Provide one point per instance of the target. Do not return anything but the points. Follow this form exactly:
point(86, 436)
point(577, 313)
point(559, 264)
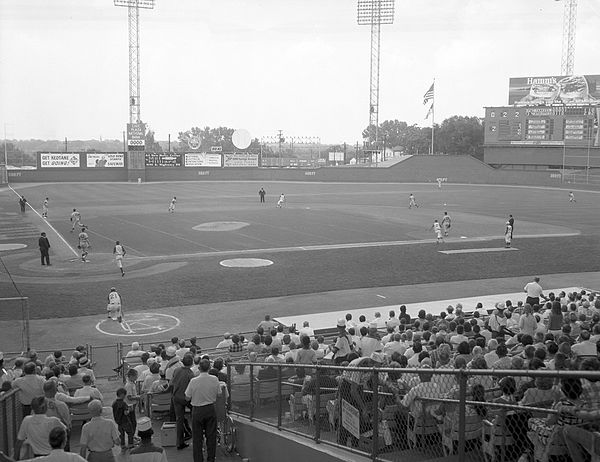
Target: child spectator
point(123, 418)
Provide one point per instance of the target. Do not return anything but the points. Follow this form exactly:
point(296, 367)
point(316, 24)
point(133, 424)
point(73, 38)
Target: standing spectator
point(173, 362)
point(30, 386)
point(267, 324)
point(534, 291)
point(98, 436)
point(121, 414)
point(203, 391)
point(180, 382)
point(44, 245)
point(528, 323)
point(36, 428)
point(342, 347)
point(147, 451)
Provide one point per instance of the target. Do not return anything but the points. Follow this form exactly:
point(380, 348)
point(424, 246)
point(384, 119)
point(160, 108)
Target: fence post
point(462, 397)
point(120, 361)
point(318, 405)
point(229, 386)
point(251, 392)
point(90, 352)
point(279, 397)
point(375, 414)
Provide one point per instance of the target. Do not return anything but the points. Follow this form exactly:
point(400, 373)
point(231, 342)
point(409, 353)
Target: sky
point(300, 66)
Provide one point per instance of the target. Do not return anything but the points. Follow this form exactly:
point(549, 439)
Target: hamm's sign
point(571, 89)
point(66, 160)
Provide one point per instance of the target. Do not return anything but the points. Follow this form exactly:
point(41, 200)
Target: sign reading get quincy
point(59, 160)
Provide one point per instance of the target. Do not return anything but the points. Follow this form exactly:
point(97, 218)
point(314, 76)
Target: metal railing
point(371, 420)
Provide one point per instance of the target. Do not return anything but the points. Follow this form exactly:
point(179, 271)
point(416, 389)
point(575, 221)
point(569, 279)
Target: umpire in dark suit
point(44, 244)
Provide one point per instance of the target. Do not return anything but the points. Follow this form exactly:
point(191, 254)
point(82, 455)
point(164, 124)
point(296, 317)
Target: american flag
point(429, 112)
point(428, 94)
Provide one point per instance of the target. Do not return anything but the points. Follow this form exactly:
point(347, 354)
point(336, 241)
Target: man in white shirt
point(585, 347)
point(393, 321)
point(394, 345)
point(534, 292)
point(226, 342)
point(307, 330)
point(87, 390)
point(202, 391)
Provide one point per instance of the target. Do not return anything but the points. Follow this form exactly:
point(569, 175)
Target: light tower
point(375, 13)
point(568, 41)
point(133, 7)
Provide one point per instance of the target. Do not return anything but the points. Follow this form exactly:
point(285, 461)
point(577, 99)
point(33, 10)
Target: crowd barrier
point(361, 411)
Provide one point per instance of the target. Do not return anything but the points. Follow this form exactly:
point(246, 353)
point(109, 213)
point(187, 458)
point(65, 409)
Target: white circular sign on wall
point(241, 138)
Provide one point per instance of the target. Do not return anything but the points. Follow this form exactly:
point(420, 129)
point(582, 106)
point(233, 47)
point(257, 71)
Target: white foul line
point(47, 224)
point(488, 249)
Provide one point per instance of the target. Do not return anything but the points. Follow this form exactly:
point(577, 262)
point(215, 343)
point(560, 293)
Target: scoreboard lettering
point(544, 125)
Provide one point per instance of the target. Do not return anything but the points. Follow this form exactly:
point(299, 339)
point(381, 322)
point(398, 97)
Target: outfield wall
point(417, 169)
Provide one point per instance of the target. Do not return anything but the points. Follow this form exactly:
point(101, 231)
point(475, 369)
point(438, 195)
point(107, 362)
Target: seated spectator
point(256, 345)
point(135, 351)
point(152, 377)
point(146, 451)
point(319, 353)
point(181, 349)
point(30, 386)
point(393, 322)
point(267, 324)
point(307, 330)
point(543, 391)
point(160, 385)
point(425, 389)
point(277, 357)
point(217, 370)
point(57, 408)
point(226, 342)
point(306, 355)
point(36, 428)
point(88, 390)
point(57, 358)
point(173, 362)
point(236, 345)
point(395, 345)
point(241, 375)
point(571, 389)
point(586, 347)
point(455, 340)
point(267, 372)
point(292, 353)
point(73, 381)
point(491, 357)
point(504, 361)
point(85, 368)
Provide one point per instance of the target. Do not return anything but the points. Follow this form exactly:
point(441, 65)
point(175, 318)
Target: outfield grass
point(170, 264)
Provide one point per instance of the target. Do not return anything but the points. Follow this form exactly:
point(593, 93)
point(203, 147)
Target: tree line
point(455, 135)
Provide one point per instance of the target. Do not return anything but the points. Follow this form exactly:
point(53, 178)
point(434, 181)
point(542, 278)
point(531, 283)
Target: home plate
point(245, 263)
point(488, 249)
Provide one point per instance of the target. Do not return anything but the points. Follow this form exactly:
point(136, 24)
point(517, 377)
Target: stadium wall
point(296, 448)
point(417, 169)
point(542, 156)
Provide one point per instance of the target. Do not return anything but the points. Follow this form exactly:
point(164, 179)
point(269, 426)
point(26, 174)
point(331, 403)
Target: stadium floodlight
point(374, 13)
point(134, 54)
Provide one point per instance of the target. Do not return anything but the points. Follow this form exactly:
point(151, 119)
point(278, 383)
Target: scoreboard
point(551, 125)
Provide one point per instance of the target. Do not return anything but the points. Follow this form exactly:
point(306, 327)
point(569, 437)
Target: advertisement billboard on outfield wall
point(240, 160)
point(202, 159)
point(159, 159)
point(105, 159)
point(59, 160)
point(554, 89)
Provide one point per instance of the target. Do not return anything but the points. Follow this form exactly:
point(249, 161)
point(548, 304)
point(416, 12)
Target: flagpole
point(432, 117)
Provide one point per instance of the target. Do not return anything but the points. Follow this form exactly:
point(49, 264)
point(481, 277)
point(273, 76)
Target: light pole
point(374, 13)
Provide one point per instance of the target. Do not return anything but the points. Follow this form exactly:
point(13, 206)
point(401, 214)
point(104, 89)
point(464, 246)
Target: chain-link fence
point(395, 413)
point(11, 415)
